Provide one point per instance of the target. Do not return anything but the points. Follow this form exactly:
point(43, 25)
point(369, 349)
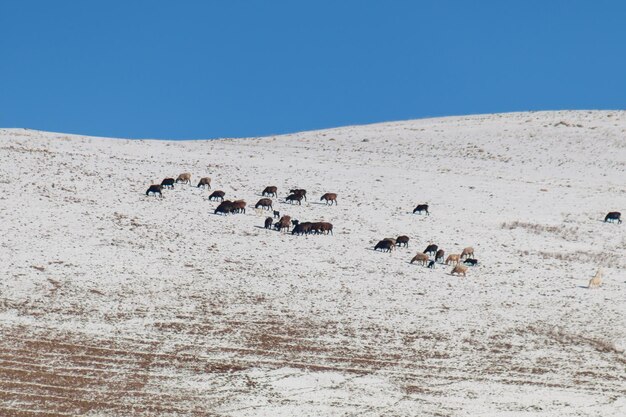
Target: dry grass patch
point(562, 231)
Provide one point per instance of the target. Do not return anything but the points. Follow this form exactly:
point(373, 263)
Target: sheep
point(295, 222)
point(431, 249)
point(392, 240)
point(185, 178)
point(453, 259)
point(155, 189)
point(471, 262)
point(265, 203)
point(276, 214)
point(239, 206)
point(217, 195)
point(325, 228)
point(420, 258)
point(402, 240)
point(299, 191)
point(303, 228)
point(168, 183)
point(295, 197)
point(385, 245)
point(467, 252)
point(225, 207)
point(440, 255)
point(268, 222)
point(270, 191)
point(596, 281)
point(420, 208)
point(283, 223)
point(459, 270)
point(332, 197)
point(204, 181)
point(613, 215)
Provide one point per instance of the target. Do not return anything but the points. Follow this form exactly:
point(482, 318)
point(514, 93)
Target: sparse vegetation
point(562, 231)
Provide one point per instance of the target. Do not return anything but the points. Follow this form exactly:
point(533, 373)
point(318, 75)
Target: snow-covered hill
point(114, 303)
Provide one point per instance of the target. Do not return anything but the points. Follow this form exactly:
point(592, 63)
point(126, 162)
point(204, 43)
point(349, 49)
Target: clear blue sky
point(229, 68)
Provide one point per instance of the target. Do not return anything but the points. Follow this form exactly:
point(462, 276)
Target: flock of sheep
point(239, 206)
point(460, 261)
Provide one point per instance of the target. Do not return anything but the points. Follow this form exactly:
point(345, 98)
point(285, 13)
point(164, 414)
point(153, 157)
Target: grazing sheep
point(225, 207)
point(596, 281)
point(613, 216)
point(303, 228)
point(155, 189)
point(268, 222)
point(471, 262)
point(420, 208)
point(467, 252)
point(325, 228)
point(440, 255)
point(168, 183)
point(431, 249)
point(392, 240)
point(295, 197)
point(403, 240)
point(265, 203)
point(217, 195)
point(239, 206)
point(283, 223)
point(459, 270)
point(453, 259)
point(421, 258)
point(332, 197)
point(184, 178)
point(204, 181)
point(276, 214)
point(270, 191)
point(299, 191)
point(385, 245)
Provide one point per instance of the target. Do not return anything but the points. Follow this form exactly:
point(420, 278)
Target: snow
point(113, 301)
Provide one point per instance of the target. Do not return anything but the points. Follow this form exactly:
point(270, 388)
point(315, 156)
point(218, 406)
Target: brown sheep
point(268, 222)
point(283, 223)
point(596, 281)
point(420, 258)
point(239, 206)
point(217, 195)
point(324, 228)
point(266, 203)
point(225, 207)
point(299, 191)
point(303, 228)
point(467, 252)
point(459, 270)
point(155, 189)
point(332, 197)
point(431, 249)
point(295, 197)
point(184, 178)
point(385, 245)
point(204, 181)
point(270, 191)
point(453, 259)
point(402, 240)
point(440, 255)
